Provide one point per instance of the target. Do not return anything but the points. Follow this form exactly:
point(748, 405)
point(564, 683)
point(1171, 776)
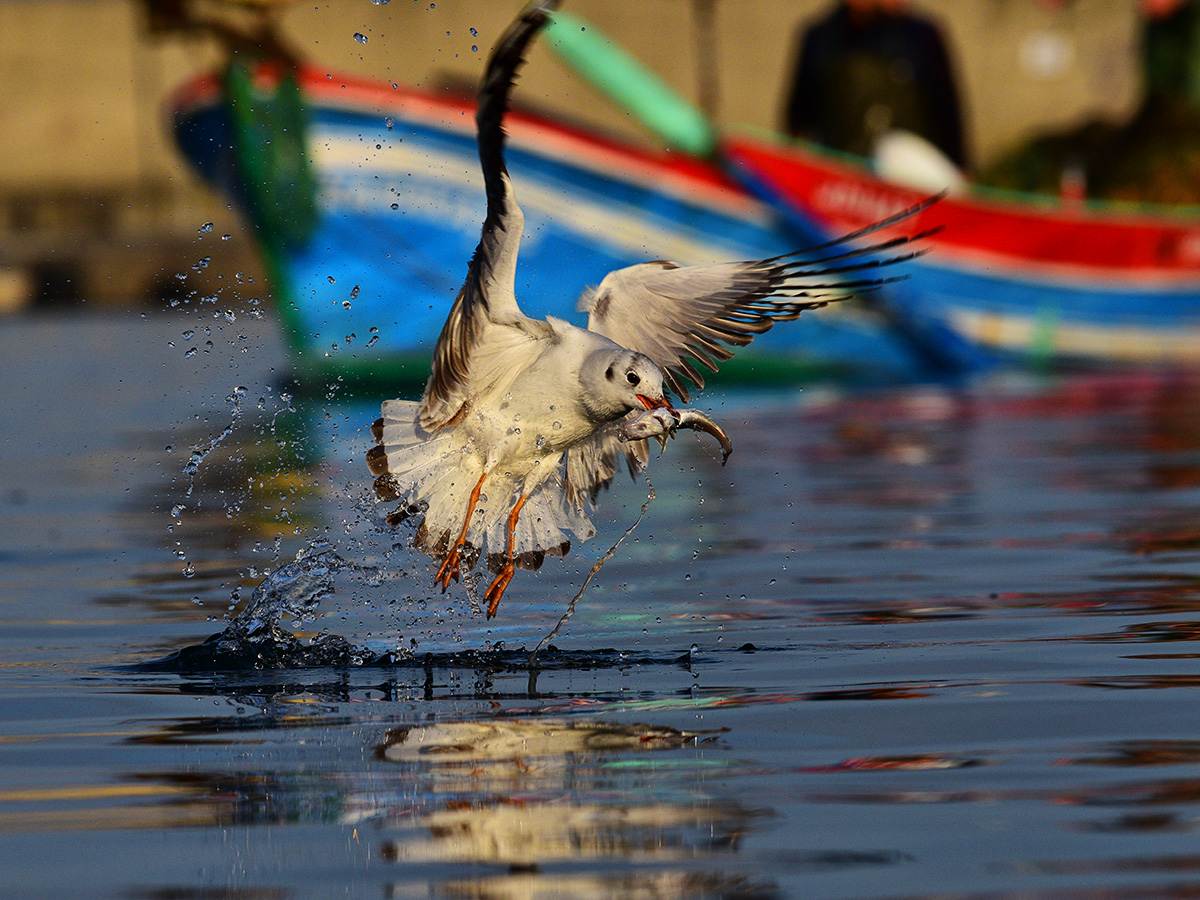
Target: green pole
point(646, 96)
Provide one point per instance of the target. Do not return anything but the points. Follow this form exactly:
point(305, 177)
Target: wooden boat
point(1035, 278)
point(368, 220)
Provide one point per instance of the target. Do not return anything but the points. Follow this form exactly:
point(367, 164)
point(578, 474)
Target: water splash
point(293, 591)
point(201, 452)
point(533, 656)
point(256, 638)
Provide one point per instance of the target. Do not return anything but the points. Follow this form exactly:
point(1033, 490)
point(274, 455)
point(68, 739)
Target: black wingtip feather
point(495, 91)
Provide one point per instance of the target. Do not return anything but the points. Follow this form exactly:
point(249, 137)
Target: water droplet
point(474, 48)
point(381, 2)
point(332, 280)
point(395, 206)
point(192, 352)
point(354, 293)
point(177, 510)
point(371, 342)
point(205, 228)
point(557, 426)
point(360, 37)
point(189, 571)
point(345, 304)
point(389, 122)
point(474, 33)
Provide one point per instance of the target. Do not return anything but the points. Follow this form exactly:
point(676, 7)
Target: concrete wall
point(85, 86)
point(1023, 65)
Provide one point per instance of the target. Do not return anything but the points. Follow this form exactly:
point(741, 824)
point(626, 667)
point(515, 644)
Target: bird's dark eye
point(632, 378)
point(608, 373)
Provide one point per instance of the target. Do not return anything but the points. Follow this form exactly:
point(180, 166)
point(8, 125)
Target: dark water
point(912, 643)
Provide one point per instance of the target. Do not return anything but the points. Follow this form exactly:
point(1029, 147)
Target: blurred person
point(870, 67)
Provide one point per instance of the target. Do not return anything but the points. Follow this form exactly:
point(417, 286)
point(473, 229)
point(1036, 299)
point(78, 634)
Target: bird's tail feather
point(544, 528)
point(432, 476)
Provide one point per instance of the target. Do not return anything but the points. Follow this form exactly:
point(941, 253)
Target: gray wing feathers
point(680, 317)
point(592, 464)
point(688, 317)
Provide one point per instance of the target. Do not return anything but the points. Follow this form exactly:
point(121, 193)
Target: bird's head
point(615, 382)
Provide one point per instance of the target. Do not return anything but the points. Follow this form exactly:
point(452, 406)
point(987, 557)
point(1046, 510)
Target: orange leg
point(449, 568)
point(500, 584)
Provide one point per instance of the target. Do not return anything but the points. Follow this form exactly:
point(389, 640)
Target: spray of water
point(201, 451)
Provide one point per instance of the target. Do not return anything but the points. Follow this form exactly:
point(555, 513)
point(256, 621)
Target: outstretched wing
point(684, 316)
point(486, 333)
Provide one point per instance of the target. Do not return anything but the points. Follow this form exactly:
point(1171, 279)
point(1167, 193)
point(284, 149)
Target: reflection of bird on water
point(529, 792)
point(517, 431)
point(471, 744)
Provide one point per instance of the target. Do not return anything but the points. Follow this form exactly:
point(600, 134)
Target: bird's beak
point(661, 403)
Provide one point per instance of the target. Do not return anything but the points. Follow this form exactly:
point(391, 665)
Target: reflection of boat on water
point(399, 202)
point(1011, 273)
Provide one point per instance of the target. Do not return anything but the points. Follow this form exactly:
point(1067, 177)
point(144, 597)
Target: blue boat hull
point(400, 203)
point(1019, 279)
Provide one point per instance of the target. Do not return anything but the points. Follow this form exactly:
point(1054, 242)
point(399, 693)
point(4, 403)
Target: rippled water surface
point(911, 643)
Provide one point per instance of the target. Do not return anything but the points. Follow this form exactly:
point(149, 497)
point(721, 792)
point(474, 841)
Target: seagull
point(518, 429)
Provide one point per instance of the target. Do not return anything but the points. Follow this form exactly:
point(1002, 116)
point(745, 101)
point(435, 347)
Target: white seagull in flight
point(517, 431)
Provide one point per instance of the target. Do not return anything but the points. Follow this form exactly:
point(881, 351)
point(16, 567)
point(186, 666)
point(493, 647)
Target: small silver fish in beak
point(661, 423)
